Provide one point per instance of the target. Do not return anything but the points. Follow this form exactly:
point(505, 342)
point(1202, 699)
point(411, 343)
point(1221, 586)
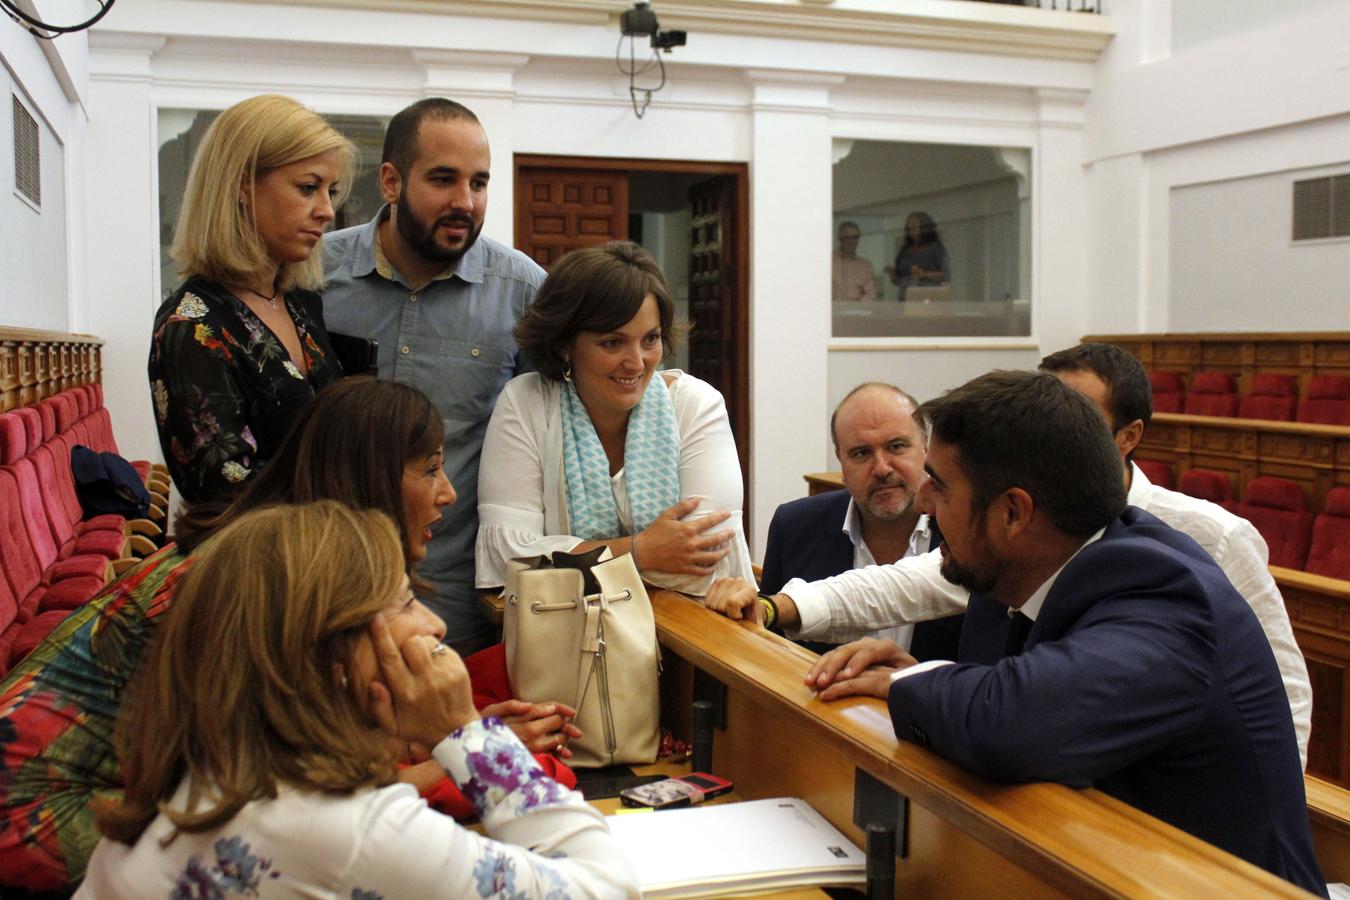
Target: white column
point(484, 82)
point(1062, 305)
point(121, 229)
point(789, 287)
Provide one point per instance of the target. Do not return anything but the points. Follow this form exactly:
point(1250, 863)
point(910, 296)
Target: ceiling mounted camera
point(640, 21)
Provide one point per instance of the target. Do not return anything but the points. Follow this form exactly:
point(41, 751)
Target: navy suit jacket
point(807, 540)
point(1147, 676)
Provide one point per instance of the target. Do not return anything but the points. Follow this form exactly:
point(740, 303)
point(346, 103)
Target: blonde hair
point(238, 691)
point(216, 236)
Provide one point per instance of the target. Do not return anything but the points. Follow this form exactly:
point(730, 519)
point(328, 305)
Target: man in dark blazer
point(880, 448)
point(1132, 664)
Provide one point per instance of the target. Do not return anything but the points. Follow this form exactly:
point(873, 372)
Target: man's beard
point(421, 236)
point(978, 577)
point(885, 513)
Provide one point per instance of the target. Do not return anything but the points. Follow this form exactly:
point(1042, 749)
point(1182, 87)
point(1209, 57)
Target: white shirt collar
point(920, 539)
point(1032, 608)
point(1139, 487)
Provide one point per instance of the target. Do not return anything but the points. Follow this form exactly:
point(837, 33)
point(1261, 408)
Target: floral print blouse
point(546, 842)
point(224, 388)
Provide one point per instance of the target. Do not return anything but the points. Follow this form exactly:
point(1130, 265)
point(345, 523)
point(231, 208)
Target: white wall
point(1190, 145)
point(1230, 244)
point(39, 252)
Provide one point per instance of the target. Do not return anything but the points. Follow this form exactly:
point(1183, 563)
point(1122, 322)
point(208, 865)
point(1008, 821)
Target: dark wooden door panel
point(558, 210)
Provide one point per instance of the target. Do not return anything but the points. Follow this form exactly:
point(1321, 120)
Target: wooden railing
point(1315, 456)
point(37, 364)
point(1301, 354)
point(965, 835)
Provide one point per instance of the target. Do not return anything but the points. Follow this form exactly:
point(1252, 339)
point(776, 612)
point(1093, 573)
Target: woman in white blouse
point(256, 740)
point(597, 448)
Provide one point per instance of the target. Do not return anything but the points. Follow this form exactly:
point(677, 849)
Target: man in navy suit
point(880, 448)
point(1132, 664)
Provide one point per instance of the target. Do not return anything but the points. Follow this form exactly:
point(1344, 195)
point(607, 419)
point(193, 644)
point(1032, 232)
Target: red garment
point(491, 684)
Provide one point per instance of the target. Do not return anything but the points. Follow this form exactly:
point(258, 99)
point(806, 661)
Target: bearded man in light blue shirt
point(441, 301)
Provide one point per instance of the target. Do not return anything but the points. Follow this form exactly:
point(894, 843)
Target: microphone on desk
point(880, 862)
point(703, 736)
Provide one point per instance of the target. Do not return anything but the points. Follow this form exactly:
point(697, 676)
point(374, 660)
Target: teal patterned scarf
point(651, 461)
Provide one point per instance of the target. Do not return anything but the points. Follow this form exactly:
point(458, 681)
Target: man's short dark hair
point(1030, 430)
point(593, 289)
point(834, 416)
point(1129, 395)
point(400, 138)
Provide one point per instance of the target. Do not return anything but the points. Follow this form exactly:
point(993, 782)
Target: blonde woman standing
point(241, 345)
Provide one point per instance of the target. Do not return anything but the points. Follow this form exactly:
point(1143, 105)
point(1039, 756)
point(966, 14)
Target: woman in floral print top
point(276, 779)
point(241, 346)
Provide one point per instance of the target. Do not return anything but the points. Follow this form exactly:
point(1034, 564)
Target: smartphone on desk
point(672, 793)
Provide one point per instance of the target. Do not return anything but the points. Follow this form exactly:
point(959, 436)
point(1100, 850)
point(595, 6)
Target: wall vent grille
point(1322, 208)
point(27, 154)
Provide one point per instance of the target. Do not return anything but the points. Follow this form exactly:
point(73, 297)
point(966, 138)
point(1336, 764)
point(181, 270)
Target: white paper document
point(719, 851)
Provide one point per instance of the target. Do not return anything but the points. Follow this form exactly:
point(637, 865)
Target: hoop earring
point(567, 375)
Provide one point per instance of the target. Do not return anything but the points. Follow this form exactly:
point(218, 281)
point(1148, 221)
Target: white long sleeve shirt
point(386, 842)
point(848, 606)
point(522, 491)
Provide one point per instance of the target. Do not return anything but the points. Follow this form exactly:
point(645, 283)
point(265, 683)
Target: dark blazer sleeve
point(1128, 674)
point(806, 540)
point(771, 579)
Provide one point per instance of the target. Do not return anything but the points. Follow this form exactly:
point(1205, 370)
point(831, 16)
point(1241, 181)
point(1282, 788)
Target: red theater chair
point(1216, 487)
point(1168, 392)
point(1277, 508)
point(1160, 473)
point(1212, 394)
point(1271, 397)
point(1327, 401)
point(1330, 551)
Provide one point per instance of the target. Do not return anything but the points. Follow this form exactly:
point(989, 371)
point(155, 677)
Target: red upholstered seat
point(1160, 473)
point(101, 535)
point(30, 634)
point(1327, 401)
point(1330, 551)
point(32, 424)
point(1216, 487)
point(1277, 508)
point(1271, 397)
point(1212, 394)
point(1168, 391)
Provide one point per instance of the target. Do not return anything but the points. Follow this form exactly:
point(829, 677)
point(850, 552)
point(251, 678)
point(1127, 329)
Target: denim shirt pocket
point(472, 377)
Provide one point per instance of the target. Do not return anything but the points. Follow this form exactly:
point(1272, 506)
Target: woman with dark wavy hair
point(922, 260)
point(598, 447)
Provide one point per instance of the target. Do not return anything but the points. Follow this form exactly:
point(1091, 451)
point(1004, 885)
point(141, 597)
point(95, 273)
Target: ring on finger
point(439, 649)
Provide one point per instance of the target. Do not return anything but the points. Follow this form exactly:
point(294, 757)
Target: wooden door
point(559, 209)
point(716, 309)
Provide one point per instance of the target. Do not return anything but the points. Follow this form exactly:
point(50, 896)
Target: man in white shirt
point(853, 277)
point(881, 449)
point(848, 606)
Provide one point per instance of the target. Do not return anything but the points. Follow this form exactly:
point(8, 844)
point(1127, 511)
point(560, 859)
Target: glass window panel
point(931, 240)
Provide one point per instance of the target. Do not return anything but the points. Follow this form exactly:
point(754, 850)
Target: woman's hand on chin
point(684, 546)
point(423, 691)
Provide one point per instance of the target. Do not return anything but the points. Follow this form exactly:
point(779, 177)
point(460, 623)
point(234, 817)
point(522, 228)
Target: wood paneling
point(37, 364)
point(1301, 354)
point(1315, 456)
